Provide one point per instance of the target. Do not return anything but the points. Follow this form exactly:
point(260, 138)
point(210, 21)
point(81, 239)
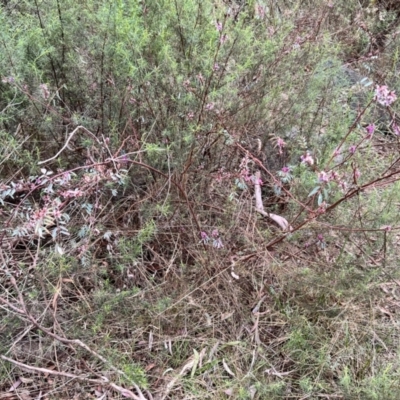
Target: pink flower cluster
point(307, 159)
point(280, 144)
point(370, 130)
point(383, 96)
point(326, 177)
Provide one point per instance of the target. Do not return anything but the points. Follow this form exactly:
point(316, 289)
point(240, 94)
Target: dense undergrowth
point(135, 260)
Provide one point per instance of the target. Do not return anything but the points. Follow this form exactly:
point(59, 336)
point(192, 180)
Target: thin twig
point(68, 140)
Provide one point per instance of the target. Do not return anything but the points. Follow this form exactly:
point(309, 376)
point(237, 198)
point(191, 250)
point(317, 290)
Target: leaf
point(59, 250)
point(25, 380)
point(366, 82)
point(15, 385)
point(226, 368)
point(315, 190)
point(227, 315)
point(320, 199)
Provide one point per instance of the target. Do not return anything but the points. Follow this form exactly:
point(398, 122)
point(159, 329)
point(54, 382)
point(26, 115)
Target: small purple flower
point(370, 130)
point(210, 106)
point(352, 149)
point(320, 241)
point(216, 67)
point(215, 233)
point(307, 159)
point(204, 237)
point(285, 174)
point(383, 96)
point(323, 177)
point(280, 144)
point(218, 25)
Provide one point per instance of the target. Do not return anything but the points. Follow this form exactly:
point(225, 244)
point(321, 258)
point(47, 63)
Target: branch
point(282, 222)
point(68, 140)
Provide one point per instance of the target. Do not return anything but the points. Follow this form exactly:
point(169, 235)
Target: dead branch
point(282, 222)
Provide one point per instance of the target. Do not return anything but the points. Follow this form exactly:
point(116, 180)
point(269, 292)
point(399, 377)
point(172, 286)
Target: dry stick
point(23, 311)
point(103, 381)
point(68, 140)
point(282, 222)
point(260, 164)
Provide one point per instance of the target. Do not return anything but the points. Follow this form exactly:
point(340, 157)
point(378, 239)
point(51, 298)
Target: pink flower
point(210, 106)
point(280, 144)
point(223, 39)
point(260, 11)
point(307, 159)
point(383, 96)
point(204, 237)
point(396, 130)
point(215, 233)
point(370, 130)
point(218, 25)
point(323, 177)
point(216, 67)
point(352, 149)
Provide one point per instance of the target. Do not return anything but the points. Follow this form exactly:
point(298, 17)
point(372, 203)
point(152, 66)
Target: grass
point(135, 264)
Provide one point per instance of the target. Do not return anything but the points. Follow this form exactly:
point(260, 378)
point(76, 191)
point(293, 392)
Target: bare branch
point(282, 222)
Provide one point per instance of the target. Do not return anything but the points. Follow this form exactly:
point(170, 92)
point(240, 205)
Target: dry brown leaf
point(225, 316)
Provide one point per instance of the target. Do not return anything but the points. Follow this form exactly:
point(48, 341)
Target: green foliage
point(138, 235)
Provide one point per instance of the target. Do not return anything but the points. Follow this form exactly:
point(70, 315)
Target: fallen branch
point(282, 222)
